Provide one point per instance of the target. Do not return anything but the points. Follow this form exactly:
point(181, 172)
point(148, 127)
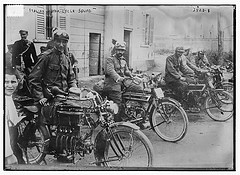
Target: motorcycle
point(166, 116)
point(218, 80)
point(202, 95)
point(81, 123)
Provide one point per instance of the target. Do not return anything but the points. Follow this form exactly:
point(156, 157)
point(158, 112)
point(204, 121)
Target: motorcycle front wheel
point(170, 121)
point(34, 143)
point(219, 106)
point(127, 147)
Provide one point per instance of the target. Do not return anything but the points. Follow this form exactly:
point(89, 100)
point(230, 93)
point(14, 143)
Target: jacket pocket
point(54, 67)
point(52, 73)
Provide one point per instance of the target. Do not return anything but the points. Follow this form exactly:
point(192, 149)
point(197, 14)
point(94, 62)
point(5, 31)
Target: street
point(207, 145)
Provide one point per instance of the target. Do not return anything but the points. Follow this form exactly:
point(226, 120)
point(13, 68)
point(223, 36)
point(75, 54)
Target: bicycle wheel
point(128, 147)
point(170, 121)
point(219, 106)
point(34, 144)
point(228, 86)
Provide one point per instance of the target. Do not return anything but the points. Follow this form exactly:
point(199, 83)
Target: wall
point(114, 28)
point(80, 27)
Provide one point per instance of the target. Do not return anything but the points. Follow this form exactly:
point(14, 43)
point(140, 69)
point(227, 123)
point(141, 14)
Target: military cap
point(23, 31)
point(179, 49)
point(120, 46)
point(61, 34)
point(201, 52)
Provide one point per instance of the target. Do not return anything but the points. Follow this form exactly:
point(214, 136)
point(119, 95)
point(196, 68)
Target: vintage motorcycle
point(81, 123)
point(166, 116)
point(218, 80)
point(203, 96)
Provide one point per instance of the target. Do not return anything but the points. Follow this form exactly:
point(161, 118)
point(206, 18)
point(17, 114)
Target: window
point(148, 27)
point(128, 17)
point(45, 19)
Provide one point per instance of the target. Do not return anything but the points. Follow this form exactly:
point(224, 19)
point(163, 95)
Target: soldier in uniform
point(115, 70)
point(24, 55)
point(53, 69)
point(201, 60)
point(176, 71)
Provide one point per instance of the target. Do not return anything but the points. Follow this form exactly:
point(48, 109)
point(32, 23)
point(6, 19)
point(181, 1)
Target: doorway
point(94, 54)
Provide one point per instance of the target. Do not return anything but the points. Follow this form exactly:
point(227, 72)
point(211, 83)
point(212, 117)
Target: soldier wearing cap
point(176, 70)
point(53, 69)
point(50, 44)
point(24, 55)
point(201, 60)
point(115, 69)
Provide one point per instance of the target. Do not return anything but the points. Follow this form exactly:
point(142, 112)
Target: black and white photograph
point(119, 87)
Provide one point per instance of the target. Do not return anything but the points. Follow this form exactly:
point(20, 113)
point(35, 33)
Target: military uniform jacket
point(175, 68)
point(201, 63)
point(29, 57)
point(114, 69)
point(52, 69)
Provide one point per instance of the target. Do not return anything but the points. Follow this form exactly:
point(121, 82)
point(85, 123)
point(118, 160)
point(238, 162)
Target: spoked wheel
point(33, 143)
point(228, 86)
point(128, 147)
point(219, 106)
point(170, 121)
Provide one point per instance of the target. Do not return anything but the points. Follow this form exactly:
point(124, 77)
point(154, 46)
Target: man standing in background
point(24, 55)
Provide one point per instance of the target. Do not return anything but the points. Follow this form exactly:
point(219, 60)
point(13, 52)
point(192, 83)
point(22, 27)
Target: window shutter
point(62, 20)
point(40, 22)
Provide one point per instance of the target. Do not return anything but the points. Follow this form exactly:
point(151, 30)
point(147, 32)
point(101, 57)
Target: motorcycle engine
point(135, 110)
point(73, 131)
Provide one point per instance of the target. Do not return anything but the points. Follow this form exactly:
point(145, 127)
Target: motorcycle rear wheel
point(36, 146)
point(128, 147)
point(219, 107)
point(170, 121)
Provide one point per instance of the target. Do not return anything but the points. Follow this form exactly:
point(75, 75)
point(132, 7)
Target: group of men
point(181, 68)
point(53, 67)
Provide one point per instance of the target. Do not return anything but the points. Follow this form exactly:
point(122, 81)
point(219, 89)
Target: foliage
point(163, 51)
point(214, 58)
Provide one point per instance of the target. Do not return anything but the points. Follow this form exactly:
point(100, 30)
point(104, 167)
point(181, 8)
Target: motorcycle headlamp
point(112, 107)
